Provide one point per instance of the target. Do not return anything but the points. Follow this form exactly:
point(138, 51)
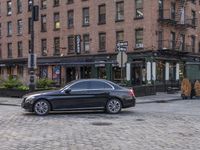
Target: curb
point(158, 101)
point(7, 104)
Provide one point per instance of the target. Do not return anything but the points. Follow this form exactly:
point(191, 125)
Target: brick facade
point(149, 23)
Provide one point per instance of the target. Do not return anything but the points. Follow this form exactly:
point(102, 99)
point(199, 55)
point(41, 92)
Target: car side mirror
point(68, 91)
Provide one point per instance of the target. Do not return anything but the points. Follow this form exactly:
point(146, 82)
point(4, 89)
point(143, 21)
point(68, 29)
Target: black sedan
point(85, 94)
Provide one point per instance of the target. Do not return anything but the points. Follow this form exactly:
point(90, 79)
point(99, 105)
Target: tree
point(197, 88)
point(186, 87)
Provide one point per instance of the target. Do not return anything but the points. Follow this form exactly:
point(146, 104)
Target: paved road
point(153, 126)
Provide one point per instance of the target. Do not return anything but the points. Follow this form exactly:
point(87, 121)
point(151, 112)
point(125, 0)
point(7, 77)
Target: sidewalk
point(159, 97)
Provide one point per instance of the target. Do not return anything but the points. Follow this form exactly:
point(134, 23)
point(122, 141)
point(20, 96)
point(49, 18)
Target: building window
point(29, 46)
point(193, 18)
point(119, 36)
point(56, 3)
point(193, 41)
point(9, 8)
point(0, 30)
point(102, 14)
point(160, 40)
point(70, 1)
point(43, 23)
point(139, 38)
point(19, 6)
point(86, 42)
point(9, 26)
point(0, 52)
point(182, 42)
point(172, 40)
point(71, 44)
point(44, 47)
point(29, 25)
point(19, 26)
point(43, 4)
point(20, 49)
point(56, 21)
point(173, 10)
point(57, 46)
point(20, 71)
point(119, 11)
point(9, 50)
point(86, 17)
point(102, 41)
point(139, 9)
point(70, 18)
point(30, 5)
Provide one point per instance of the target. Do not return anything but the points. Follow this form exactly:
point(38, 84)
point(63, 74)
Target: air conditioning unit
point(139, 45)
point(86, 20)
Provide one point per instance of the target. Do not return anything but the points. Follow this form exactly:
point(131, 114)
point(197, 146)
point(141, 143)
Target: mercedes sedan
point(84, 94)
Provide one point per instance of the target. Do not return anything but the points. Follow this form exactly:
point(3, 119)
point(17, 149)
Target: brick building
point(163, 39)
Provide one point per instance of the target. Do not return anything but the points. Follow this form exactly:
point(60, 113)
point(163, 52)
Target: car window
point(79, 86)
point(99, 85)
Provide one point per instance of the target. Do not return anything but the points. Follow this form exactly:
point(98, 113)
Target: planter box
point(144, 90)
point(12, 93)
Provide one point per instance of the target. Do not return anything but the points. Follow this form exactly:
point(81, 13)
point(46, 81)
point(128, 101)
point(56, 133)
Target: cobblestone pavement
point(152, 126)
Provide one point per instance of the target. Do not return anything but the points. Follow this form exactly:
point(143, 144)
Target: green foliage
point(23, 88)
point(44, 83)
point(12, 83)
point(1, 82)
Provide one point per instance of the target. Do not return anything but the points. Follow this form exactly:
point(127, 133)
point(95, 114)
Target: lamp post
point(32, 65)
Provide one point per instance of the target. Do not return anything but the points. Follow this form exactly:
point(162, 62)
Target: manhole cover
point(139, 119)
point(101, 123)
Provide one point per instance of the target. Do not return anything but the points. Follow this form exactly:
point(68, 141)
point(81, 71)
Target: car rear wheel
point(42, 107)
point(113, 106)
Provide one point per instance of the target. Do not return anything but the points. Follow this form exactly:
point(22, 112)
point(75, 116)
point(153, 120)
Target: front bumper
point(27, 106)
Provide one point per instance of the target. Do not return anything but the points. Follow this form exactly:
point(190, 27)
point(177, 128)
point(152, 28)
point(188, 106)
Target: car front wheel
point(113, 106)
point(41, 107)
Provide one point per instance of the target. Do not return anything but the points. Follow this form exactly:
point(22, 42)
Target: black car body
point(85, 94)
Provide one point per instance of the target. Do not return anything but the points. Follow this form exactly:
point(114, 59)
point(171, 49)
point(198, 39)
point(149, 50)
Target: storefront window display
point(160, 71)
point(43, 73)
point(102, 72)
point(56, 75)
point(86, 72)
point(117, 74)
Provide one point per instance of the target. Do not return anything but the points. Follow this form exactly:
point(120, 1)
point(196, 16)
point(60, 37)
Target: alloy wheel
point(41, 107)
point(113, 106)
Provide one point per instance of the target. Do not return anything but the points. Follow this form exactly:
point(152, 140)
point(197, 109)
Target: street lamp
point(32, 65)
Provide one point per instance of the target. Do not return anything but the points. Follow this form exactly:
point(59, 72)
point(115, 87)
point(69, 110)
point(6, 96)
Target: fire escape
point(177, 18)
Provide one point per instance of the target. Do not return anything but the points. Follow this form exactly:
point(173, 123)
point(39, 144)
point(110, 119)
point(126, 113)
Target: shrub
point(44, 83)
point(23, 88)
point(12, 83)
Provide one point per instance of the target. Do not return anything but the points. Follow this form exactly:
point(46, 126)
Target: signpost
point(32, 64)
point(122, 47)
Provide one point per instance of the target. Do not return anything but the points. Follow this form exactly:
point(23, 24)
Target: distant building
point(162, 35)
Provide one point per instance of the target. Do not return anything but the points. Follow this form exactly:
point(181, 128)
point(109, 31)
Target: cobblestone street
point(153, 126)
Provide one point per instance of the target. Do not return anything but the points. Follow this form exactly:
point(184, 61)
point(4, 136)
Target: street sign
point(122, 46)
point(32, 61)
point(122, 58)
point(78, 44)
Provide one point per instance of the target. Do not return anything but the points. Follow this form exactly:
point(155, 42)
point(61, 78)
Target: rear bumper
point(129, 103)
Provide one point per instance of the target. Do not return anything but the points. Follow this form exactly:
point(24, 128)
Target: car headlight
point(29, 99)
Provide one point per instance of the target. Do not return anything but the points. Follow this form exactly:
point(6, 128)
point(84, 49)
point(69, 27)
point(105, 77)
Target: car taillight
point(131, 92)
